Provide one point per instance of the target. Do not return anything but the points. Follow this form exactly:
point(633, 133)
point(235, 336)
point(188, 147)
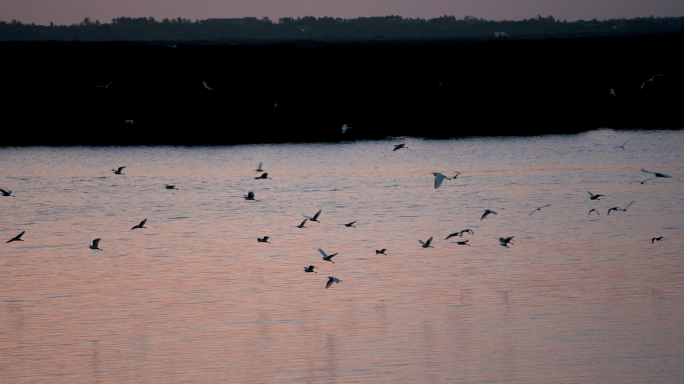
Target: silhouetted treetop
point(328, 28)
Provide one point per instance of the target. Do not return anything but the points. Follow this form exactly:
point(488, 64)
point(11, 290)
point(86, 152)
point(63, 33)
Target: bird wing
point(96, 242)
point(484, 215)
point(250, 194)
point(317, 214)
point(143, 222)
point(260, 164)
point(590, 194)
point(302, 224)
point(329, 283)
point(645, 171)
point(427, 243)
point(628, 205)
point(206, 86)
point(451, 235)
point(20, 235)
point(439, 178)
point(421, 242)
point(653, 240)
point(322, 252)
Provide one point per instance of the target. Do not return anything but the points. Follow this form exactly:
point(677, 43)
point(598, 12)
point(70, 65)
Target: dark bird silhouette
point(302, 224)
point(399, 146)
point(17, 237)
point(263, 240)
point(593, 210)
point(96, 244)
point(539, 209)
point(169, 186)
point(310, 268)
point(331, 280)
point(118, 171)
point(464, 242)
point(326, 257)
point(6, 193)
point(250, 196)
point(427, 243)
point(456, 175)
point(260, 164)
point(622, 146)
point(620, 209)
point(594, 197)
point(315, 218)
point(653, 240)
point(460, 233)
point(506, 240)
point(657, 174)
point(350, 225)
point(141, 225)
point(486, 213)
point(381, 252)
point(263, 176)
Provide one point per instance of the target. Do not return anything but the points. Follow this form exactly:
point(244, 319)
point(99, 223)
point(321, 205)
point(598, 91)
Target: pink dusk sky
point(74, 11)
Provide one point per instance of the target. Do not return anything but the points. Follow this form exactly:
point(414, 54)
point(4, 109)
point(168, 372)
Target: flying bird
point(506, 240)
point(456, 175)
point(141, 225)
point(263, 240)
point(310, 268)
point(427, 243)
point(302, 224)
point(381, 252)
point(173, 46)
point(315, 218)
point(657, 174)
point(350, 225)
point(128, 122)
point(612, 92)
point(331, 280)
point(326, 257)
point(345, 128)
point(620, 209)
point(6, 193)
point(539, 209)
point(118, 171)
point(169, 186)
point(593, 210)
point(206, 86)
point(651, 80)
point(259, 168)
point(439, 178)
point(105, 86)
point(399, 146)
point(250, 196)
point(95, 244)
point(622, 146)
point(460, 233)
point(263, 176)
point(594, 197)
point(653, 240)
point(464, 242)
point(486, 213)
point(17, 237)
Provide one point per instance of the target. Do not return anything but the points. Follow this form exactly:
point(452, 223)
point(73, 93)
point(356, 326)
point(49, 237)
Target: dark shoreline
point(381, 88)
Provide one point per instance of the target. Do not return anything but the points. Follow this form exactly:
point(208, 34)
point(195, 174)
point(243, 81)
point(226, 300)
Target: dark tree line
point(328, 28)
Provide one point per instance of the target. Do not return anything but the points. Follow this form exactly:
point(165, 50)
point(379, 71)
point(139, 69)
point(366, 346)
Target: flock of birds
point(439, 179)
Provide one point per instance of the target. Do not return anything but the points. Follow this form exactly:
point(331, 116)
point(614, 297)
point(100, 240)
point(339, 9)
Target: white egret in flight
point(327, 257)
point(331, 280)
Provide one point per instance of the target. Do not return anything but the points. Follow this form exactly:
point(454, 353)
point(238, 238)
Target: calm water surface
point(194, 297)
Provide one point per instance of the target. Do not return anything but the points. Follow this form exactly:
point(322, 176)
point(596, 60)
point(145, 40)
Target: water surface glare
point(195, 298)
